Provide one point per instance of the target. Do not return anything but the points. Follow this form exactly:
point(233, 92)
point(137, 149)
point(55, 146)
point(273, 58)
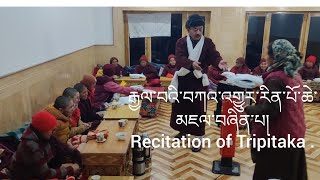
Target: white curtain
point(149, 25)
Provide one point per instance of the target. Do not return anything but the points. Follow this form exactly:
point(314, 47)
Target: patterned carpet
point(184, 164)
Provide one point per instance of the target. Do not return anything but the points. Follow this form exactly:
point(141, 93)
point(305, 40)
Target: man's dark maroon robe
point(209, 56)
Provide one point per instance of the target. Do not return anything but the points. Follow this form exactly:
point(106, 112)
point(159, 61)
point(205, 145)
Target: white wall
point(30, 36)
point(103, 24)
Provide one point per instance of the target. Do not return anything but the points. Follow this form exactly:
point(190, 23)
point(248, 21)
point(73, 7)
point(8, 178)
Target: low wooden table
point(165, 82)
point(315, 87)
point(123, 112)
point(130, 81)
point(115, 178)
point(112, 157)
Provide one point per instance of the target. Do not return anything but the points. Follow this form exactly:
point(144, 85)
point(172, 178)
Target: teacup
point(121, 136)
point(100, 136)
point(115, 105)
point(116, 97)
point(122, 122)
point(71, 178)
point(95, 177)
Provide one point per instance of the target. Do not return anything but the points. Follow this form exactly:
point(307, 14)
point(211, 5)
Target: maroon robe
point(209, 56)
point(101, 95)
point(214, 74)
point(119, 70)
point(149, 71)
point(169, 69)
point(87, 111)
point(290, 120)
point(258, 71)
point(309, 73)
point(242, 70)
point(91, 95)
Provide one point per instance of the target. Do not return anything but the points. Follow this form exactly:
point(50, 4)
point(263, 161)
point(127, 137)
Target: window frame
point(265, 35)
point(308, 22)
point(303, 41)
point(185, 14)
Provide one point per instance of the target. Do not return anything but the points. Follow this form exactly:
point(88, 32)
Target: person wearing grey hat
point(194, 54)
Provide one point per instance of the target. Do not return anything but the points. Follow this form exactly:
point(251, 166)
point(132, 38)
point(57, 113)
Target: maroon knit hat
point(143, 58)
point(312, 59)
point(108, 70)
point(43, 121)
point(242, 60)
point(262, 60)
point(171, 56)
point(88, 80)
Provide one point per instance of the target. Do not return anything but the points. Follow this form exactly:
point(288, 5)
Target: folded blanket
point(136, 76)
point(316, 79)
point(243, 80)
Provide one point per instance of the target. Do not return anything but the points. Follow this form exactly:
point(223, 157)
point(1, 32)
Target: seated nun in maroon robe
point(170, 68)
point(117, 67)
point(106, 86)
point(309, 71)
point(90, 82)
point(259, 70)
point(149, 71)
point(240, 67)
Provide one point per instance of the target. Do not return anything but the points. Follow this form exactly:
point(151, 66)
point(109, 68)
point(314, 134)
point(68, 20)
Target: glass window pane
point(254, 40)
point(286, 26)
point(313, 46)
point(161, 47)
point(137, 49)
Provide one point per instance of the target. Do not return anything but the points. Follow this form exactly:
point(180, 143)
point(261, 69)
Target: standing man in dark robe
point(194, 54)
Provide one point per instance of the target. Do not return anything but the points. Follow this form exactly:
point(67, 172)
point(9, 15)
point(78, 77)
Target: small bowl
point(121, 136)
point(95, 177)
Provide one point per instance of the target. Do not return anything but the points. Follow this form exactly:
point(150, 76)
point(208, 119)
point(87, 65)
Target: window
point(157, 49)
point(313, 45)
point(161, 47)
point(286, 26)
point(254, 40)
point(137, 49)
point(300, 28)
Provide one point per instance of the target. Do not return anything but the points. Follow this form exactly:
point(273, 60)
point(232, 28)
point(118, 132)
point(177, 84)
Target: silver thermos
point(138, 160)
point(147, 151)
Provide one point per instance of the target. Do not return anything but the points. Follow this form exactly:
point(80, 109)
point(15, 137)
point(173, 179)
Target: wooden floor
point(184, 164)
